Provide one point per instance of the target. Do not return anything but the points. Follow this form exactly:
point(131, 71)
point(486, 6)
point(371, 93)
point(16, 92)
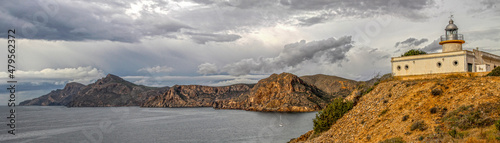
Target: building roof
point(451, 26)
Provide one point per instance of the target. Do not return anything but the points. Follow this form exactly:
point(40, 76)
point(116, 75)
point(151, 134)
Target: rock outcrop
point(282, 93)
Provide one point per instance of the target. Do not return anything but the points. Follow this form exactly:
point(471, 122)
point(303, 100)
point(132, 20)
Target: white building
point(452, 59)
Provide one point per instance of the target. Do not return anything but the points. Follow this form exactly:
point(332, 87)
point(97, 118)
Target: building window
point(399, 68)
point(406, 67)
point(455, 63)
point(439, 64)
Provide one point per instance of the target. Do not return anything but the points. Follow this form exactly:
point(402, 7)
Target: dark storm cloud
point(410, 42)
point(432, 47)
point(361, 8)
point(313, 20)
point(106, 20)
point(202, 38)
point(78, 21)
point(236, 14)
point(330, 50)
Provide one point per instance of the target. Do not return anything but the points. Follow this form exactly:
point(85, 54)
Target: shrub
point(328, 116)
point(497, 124)
point(494, 72)
point(421, 138)
point(383, 112)
point(453, 133)
point(466, 117)
point(436, 91)
point(434, 110)
point(406, 117)
point(393, 140)
point(413, 52)
point(420, 125)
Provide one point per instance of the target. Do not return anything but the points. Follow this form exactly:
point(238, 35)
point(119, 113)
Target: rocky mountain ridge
point(108, 91)
point(280, 92)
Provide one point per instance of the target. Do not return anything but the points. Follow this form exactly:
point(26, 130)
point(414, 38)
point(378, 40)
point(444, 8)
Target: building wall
point(428, 64)
point(450, 47)
point(484, 60)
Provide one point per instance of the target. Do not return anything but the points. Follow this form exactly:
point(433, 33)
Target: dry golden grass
point(414, 98)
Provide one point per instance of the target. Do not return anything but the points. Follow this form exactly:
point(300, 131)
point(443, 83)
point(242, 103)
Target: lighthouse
point(452, 59)
point(451, 40)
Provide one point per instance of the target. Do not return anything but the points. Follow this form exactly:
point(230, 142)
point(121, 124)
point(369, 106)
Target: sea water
point(137, 125)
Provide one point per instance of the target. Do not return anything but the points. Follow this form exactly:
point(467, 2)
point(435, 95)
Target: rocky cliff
point(434, 110)
point(195, 95)
point(283, 93)
point(59, 97)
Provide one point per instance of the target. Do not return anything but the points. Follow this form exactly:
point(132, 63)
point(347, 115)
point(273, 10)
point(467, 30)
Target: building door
point(469, 67)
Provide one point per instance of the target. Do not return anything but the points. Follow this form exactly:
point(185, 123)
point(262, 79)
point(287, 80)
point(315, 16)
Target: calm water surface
point(134, 124)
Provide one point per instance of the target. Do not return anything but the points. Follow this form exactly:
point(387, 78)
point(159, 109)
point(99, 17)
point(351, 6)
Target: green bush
point(497, 124)
point(405, 117)
point(328, 116)
point(453, 133)
point(383, 112)
point(466, 117)
point(413, 52)
point(420, 125)
point(434, 110)
point(436, 91)
point(494, 72)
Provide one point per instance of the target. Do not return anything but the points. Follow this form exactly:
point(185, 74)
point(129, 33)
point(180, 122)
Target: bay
point(135, 124)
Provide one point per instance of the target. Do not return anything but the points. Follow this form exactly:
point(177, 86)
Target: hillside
point(435, 110)
point(333, 85)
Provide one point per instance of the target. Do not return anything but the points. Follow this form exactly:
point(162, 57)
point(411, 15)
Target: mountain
point(108, 91)
point(113, 91)
point(283, 93)
point(195, 95)
point(57, 97)
point(449, 109)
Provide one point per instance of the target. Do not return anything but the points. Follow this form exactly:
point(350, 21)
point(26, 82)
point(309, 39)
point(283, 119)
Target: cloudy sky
point(222, 42)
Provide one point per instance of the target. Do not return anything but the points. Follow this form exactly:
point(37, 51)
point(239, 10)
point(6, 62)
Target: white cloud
point(59, 76)
point(213, 80)
point(331, 50)
point(207, 68)
point(157, 69)
point(235, 81)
